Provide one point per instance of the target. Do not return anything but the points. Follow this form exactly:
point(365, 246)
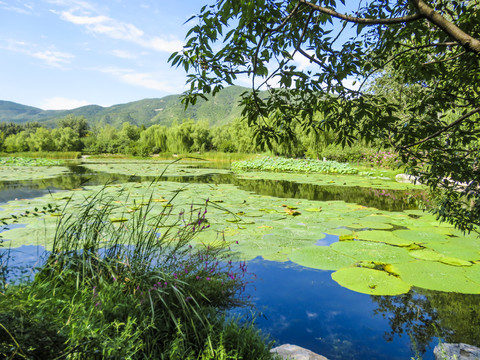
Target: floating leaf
point(436, 276)
point(118, 219)
point(320, 257)
point(426, 254)
point(473, 273)
point(370, 281)
point(421, 237)
point(387, 237)
point(292, 212)
point(314, 209)
point(346, 237)
point(372, 251)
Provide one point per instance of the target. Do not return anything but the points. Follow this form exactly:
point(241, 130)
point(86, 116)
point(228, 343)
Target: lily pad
point(370, 281)
point(372, 251)
point(387, 237)
point(320, 257)
point(473, 273)
point(436, 276)
point(421, 237)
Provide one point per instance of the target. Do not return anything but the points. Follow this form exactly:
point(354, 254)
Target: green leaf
point(370, 281)
point(320, 257)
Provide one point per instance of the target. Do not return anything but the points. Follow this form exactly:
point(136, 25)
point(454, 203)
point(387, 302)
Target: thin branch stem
point(441, 131)
point(364, 21)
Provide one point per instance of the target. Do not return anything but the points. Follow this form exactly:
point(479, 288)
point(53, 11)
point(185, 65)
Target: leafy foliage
point(279, 164)
point(129, 291)
point(431, 117)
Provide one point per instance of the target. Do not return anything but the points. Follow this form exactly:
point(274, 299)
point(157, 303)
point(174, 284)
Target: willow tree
point(432, 45)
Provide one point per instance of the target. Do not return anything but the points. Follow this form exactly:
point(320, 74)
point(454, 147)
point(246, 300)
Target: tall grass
point(57, 155)
point(113, 288)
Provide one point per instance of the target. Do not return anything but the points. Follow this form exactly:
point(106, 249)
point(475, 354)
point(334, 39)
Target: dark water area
point(79, 176)
point(303, 306)
point(299, 305)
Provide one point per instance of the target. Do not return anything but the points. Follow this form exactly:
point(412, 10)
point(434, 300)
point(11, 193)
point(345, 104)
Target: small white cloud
point(84, 14)
point(52, 58)
point(351, 84)
point(303, 62)
point(144, 80)
point(124, 54)
point(311, 315)
point(61, 103)
point(17, 6)
point(49, 56)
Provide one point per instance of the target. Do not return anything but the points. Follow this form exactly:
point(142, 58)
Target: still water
point(305, 306)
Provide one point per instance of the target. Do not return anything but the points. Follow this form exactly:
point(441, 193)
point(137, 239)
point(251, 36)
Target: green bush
point(113, 288)
point(294, 165)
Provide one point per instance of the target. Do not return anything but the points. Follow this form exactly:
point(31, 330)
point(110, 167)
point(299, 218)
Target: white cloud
point(49, 56)
point(84, 14)
point(52, 58)
point(124, 54)
point(61, 103)
point(351, 84)
point(302, 62)
point(144, 80)
point(17, 6)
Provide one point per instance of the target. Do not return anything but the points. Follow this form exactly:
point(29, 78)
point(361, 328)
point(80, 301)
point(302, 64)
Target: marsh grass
point(56, 155)
point(205, 156)
point(132, 288)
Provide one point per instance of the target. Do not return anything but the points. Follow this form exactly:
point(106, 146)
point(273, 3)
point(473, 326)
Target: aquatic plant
point(132, 289)
point(24, 161)
point(279, 164)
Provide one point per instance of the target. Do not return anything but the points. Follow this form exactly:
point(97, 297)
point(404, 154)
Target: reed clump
point(130, 288)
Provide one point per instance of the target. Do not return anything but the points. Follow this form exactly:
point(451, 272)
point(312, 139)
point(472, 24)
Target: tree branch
point(444, 60)
point(441, 131)
point(467, 41)
point(365, 21)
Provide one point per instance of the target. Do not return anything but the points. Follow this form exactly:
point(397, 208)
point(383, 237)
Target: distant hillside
point(219, 110)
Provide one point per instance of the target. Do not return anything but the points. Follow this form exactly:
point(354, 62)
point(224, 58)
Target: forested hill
point(219, 110)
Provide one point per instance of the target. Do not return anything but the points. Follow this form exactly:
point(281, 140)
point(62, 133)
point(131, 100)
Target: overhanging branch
point(364, 21)
point(441, 131)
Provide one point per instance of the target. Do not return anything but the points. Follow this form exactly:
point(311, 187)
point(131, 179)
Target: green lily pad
point(320, 257)
point(370, 281)
point(434, 275)
point(458, 248)
point(426, 254)
point(372, 251)
point(118, 219)
point(431, 255)
point(387, 237)
point(473, 273)
point(421, 237)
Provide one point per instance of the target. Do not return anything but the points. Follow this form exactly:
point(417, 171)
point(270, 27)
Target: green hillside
point(219, 110)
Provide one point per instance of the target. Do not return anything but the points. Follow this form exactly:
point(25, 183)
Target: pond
point(274, 217)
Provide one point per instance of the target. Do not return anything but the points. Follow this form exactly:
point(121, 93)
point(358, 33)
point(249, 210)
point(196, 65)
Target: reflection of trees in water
point(425, 314)
point(389, 200)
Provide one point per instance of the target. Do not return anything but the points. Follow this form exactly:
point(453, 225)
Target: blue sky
point(61, 54)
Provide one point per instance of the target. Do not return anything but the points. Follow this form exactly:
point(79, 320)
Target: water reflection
point(424, 315)
point(391, 200)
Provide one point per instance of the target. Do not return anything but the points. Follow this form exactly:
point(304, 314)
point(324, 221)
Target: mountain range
point(218, 110)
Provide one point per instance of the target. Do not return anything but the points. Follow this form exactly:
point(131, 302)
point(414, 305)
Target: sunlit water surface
point(305, 306)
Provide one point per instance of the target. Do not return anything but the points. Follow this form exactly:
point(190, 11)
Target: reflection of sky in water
point(305, 307)
point(327, 240)
point(22, 261)
point(299, 306)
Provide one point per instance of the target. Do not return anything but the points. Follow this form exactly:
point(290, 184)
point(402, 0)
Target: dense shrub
point(294, 165)
point(113, 288)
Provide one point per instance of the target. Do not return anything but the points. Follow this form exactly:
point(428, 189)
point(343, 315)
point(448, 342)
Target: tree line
point(73, 133)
